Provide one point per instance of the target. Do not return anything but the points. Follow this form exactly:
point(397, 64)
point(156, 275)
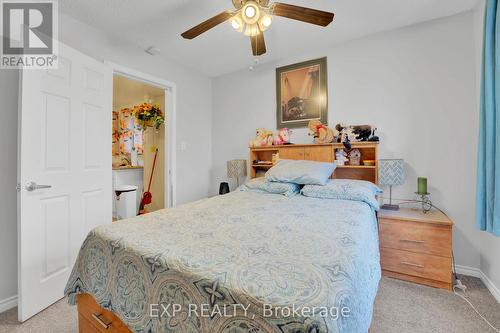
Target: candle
point(422, 185)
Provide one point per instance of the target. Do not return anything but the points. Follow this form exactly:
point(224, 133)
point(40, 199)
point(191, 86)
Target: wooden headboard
point(261, 158)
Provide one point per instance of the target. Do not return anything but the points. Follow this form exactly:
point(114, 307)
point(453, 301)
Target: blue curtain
point(488, 184)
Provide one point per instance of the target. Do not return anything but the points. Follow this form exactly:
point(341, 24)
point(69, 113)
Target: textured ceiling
point(222, 50)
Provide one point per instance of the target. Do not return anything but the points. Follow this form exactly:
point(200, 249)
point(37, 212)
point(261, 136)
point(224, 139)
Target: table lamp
point(391, 172)
point(237, 169)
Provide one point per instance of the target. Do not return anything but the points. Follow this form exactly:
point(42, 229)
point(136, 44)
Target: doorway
point(138, 147)
point(170, 103)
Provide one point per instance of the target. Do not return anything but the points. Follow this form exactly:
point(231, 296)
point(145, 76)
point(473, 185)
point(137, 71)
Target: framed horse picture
point(302, 93)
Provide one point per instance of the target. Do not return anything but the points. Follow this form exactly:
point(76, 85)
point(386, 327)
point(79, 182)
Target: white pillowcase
point(345, 189)
point(301, 172)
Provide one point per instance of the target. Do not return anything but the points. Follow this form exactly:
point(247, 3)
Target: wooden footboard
point(92, 318)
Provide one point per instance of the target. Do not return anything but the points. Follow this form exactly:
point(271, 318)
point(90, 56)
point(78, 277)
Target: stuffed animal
point(357, 133)
point(283, 137)
point(263, 138)
point(320, 132)
point(341, 157)
point(355, 157)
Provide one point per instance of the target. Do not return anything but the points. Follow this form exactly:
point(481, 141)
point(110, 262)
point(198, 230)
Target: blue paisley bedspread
point(243, 262)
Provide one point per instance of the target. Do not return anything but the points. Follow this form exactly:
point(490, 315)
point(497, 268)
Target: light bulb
point(265, 22)
point(236, 25)
point(250, 12)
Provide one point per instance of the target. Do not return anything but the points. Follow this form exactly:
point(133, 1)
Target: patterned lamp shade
point(391, 172)
point(236, 168)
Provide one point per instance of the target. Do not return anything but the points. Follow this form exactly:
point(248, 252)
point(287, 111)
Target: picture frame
point(302, 93)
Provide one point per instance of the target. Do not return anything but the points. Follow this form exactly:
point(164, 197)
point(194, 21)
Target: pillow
point(345, 189)
point(261, 185)
point(301, 172)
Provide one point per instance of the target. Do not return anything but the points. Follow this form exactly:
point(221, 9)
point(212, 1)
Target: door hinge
point(18, 187)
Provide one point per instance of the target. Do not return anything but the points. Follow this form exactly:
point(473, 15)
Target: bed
point(242, 262)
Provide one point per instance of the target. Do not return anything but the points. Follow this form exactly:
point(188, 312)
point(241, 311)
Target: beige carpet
point(400, 307)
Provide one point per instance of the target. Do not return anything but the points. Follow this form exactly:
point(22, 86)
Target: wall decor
point(127, 138)
point(302, 93)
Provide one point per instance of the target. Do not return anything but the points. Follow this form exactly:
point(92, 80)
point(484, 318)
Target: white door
point(64, 143)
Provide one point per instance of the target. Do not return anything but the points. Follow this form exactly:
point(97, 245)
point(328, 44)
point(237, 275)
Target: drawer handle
point(411, 264)
point(412, 241)
point(100, 321)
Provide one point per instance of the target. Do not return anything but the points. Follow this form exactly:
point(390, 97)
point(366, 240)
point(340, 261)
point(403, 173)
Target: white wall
point(193, 125)
point(415, 84)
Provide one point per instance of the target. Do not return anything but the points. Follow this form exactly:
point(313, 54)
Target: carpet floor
point(400, 307)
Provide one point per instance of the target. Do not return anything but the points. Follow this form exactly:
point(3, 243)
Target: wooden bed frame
point(93, 318)
point(319, 153)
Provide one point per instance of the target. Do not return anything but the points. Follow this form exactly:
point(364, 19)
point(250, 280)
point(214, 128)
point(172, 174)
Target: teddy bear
point(320, 132)
point(283, 137)
point(263, 138)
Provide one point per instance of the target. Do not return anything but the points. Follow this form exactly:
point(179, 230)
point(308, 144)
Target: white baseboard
point(491, 287)
point(470, 271)
point(8, 303)
point(476, 272)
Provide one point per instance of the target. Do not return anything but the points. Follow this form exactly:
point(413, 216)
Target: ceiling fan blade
point(304, 14)
point(207, 25)
point(258, 44)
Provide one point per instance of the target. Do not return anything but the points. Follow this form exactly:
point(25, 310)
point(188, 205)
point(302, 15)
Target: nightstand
point(416, 247)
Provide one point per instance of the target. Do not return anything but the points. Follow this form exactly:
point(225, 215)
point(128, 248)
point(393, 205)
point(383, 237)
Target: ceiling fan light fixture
point(237, 23)
point(265, 22)
point(253, 17)
point(252, 30)
point(250, 12)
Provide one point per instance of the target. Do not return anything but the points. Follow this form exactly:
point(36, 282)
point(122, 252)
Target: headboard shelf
point(320, 153)
point(356, 166)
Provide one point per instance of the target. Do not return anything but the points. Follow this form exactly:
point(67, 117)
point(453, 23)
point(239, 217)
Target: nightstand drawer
point(416, 237)
point(416, 264)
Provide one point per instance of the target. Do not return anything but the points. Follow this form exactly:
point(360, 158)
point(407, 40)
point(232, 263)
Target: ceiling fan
point(253, 17)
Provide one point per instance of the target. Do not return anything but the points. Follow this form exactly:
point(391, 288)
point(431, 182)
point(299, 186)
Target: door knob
point(32, 186)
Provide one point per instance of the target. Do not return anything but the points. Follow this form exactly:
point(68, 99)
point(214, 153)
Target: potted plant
point(149, 115)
